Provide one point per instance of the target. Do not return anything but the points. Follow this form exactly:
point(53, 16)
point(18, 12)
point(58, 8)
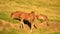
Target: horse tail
point(11, 15)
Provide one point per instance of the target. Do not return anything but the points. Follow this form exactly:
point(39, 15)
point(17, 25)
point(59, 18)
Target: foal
point(24, 16)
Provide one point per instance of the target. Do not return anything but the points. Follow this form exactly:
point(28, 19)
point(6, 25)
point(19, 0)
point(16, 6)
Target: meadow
point(50, 8)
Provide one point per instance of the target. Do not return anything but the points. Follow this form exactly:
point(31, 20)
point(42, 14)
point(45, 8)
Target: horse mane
point(17, 11)
point(32, 12)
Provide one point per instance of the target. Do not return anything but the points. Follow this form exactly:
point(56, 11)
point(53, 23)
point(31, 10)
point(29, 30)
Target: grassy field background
point(51, 8)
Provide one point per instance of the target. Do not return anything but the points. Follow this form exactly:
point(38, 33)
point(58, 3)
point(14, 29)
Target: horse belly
point(25, 17)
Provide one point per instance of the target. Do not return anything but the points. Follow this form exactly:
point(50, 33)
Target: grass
point(54, 33)
point(51, 8)
point(16, 31)
point(12, 31)
point(4, 16)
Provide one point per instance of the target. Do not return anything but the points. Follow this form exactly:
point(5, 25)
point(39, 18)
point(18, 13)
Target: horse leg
point(35, 26)
point(47, 21)
point(22, 26)
point(32, 26)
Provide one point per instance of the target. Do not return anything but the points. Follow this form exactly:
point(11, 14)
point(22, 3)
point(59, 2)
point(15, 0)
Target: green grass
point(12, 31)
point(54, 33)
point(51, 8)
point(4, 16)
point(16, 31)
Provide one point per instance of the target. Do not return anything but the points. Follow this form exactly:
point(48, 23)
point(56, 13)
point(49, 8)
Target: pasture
point(50, 8)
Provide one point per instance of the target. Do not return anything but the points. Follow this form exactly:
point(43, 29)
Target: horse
point(24, 16)
point(42, 17)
